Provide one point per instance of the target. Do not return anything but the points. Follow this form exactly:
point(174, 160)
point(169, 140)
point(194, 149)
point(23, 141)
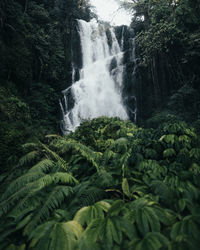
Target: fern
point(63, 164)
point(32, 188)
point(86, 152)
point(30, 145)
point(30, 157)
point(45, 165)
point(150, 176)
point(20, 182)
point(85, 195)
point(52, 201)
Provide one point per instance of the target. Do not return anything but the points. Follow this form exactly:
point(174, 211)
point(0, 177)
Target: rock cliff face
point(126, 36)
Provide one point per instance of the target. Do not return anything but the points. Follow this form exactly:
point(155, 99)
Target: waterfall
point(98, 91)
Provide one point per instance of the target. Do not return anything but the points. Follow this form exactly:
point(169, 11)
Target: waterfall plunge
point(98, 91)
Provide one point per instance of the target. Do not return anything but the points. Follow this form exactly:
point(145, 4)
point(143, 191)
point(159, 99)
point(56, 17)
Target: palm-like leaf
point(189, 225)
point(151, 241)
point(85, 215)
point(108, 230)
point(146, 215)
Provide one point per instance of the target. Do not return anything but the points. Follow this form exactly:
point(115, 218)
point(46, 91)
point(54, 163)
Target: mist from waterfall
point(98, 91)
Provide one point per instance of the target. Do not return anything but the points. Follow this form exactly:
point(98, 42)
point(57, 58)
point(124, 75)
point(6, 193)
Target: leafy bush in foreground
point(108, 185)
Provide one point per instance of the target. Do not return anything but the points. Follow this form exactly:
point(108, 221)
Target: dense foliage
point(110, 184)
point(168, 51)
point(35, 65)
point(120, 187)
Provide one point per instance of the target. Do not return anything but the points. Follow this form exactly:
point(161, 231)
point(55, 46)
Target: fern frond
point(86, 152)
point(11, 201)
point(58, 177)
point(30, 145)
point(53, 201)
point(20, 182)
point(23, 208)
point(30, 157)
point(43, 166)
point(63, 164)
point(85, 195)
point(32, 188)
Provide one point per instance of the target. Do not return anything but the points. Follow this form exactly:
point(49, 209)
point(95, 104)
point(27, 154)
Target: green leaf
point(168, 138)
point(151, 241)
point(125, 188)
point(85, 215)
point(56, 236)
point(181, 204)
point(169, 152)
point(195, 153)
point(115, 208)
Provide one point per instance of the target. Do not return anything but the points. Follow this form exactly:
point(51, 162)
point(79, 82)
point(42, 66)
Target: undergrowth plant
point(108, 185)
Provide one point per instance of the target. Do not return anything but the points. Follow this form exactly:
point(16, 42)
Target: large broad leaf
point(147, 216)
point(189, 225)
point(86, 214)
point(151, 241)
point(108, 231)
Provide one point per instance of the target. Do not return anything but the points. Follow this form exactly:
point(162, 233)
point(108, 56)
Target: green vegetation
point(35, 66)
point(110, 184)
point(168, 52)
point(120, 187)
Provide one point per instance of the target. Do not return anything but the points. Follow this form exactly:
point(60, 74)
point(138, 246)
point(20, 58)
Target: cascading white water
point(98, 92)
